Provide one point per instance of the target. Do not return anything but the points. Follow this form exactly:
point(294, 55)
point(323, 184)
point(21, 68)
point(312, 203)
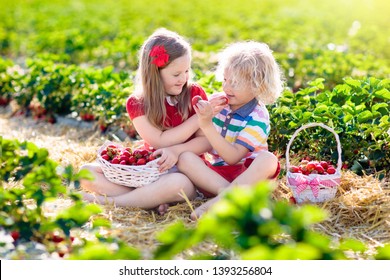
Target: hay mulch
point(361, 208)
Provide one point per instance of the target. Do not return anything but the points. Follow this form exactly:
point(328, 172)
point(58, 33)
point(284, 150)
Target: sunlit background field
point(101, 33)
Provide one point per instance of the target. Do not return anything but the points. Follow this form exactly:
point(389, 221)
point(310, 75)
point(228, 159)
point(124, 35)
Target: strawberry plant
point(40, 180)
point(9, 75)
point(358, 110)
point(249, 222)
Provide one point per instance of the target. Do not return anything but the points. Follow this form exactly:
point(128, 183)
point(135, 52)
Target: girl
point(161, 112)
point(238, 134)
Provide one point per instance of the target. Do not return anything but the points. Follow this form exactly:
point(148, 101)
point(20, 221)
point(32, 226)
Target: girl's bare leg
point(100, 184)
point(167, 189)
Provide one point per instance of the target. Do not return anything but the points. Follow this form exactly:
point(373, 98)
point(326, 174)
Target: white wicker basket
point(313, 187)
point(128, 175)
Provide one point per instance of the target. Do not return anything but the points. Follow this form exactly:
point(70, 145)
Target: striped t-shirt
point(248, 126)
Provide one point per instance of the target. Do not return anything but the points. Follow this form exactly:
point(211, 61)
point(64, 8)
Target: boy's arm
point(230, 153)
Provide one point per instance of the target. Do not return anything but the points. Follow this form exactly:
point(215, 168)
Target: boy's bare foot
point(199, 211)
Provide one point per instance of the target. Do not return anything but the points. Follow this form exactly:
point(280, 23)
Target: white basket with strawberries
point(126, 166)
point(313, 181)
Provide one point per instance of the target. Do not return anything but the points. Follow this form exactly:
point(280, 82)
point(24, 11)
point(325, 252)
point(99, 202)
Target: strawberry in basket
point(129, 167)
point(126, 156)
point(307, 167)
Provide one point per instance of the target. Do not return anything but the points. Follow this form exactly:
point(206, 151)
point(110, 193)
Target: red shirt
point(135, 107)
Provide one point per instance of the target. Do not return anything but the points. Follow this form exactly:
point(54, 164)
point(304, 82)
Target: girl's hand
point(205, 113)
point(168, 158)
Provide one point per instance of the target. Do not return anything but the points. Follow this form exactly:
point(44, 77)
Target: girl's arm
point(170, 155)
point(158, 138)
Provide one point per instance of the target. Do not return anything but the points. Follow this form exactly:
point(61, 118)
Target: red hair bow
point(160, 56)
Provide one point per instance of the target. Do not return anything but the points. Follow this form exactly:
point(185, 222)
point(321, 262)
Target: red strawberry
point(294, 169)
point(123, 162)
point(324, 164)
point(310, 166)
point(125, 158)
point(15, 235)
point(106, 157)
point(331, 170)
point(115, 160)
point(320, 169)
point(195, 100)
point(126, 153)
point(141, 161)
point(132, 160)
point(137, 153)
point(57, 238)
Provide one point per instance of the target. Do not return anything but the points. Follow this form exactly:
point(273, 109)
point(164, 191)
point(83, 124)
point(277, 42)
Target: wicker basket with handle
point(313, 187)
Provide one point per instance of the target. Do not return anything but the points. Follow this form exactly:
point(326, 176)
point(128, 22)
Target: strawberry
point(57, 238)
point(125, 153)
point(115, 160)
point(294, 169)
point(320, 169)
point(144, 153)
point(122, 157)
point(292, 200)
point(137, 153)
point(106, 157)
point(141, 161)
point(195, 100)
point(132, 160)
point(15, 235)
point(324, 164)
point(331, 170)
point(310, 166)
point(123, 162)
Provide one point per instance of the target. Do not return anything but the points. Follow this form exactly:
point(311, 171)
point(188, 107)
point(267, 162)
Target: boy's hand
point(205, 113)
point(218, 101)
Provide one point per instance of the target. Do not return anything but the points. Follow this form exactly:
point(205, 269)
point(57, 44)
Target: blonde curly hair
point(252, 65)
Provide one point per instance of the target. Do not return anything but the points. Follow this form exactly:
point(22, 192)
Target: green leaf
point(383, 253)
point(364, 116)
point(383, 93)
point(353, 244)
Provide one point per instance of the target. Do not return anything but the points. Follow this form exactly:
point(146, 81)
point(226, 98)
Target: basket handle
point(312, 125)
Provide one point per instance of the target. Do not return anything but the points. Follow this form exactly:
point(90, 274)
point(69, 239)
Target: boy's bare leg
point(262, 168)
point(200, 174)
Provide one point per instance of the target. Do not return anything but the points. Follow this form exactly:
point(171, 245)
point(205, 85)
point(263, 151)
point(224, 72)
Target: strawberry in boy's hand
point(195, 100)
point(220, 96)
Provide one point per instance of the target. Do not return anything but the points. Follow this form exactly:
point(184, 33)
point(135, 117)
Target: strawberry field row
point(357, 109)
